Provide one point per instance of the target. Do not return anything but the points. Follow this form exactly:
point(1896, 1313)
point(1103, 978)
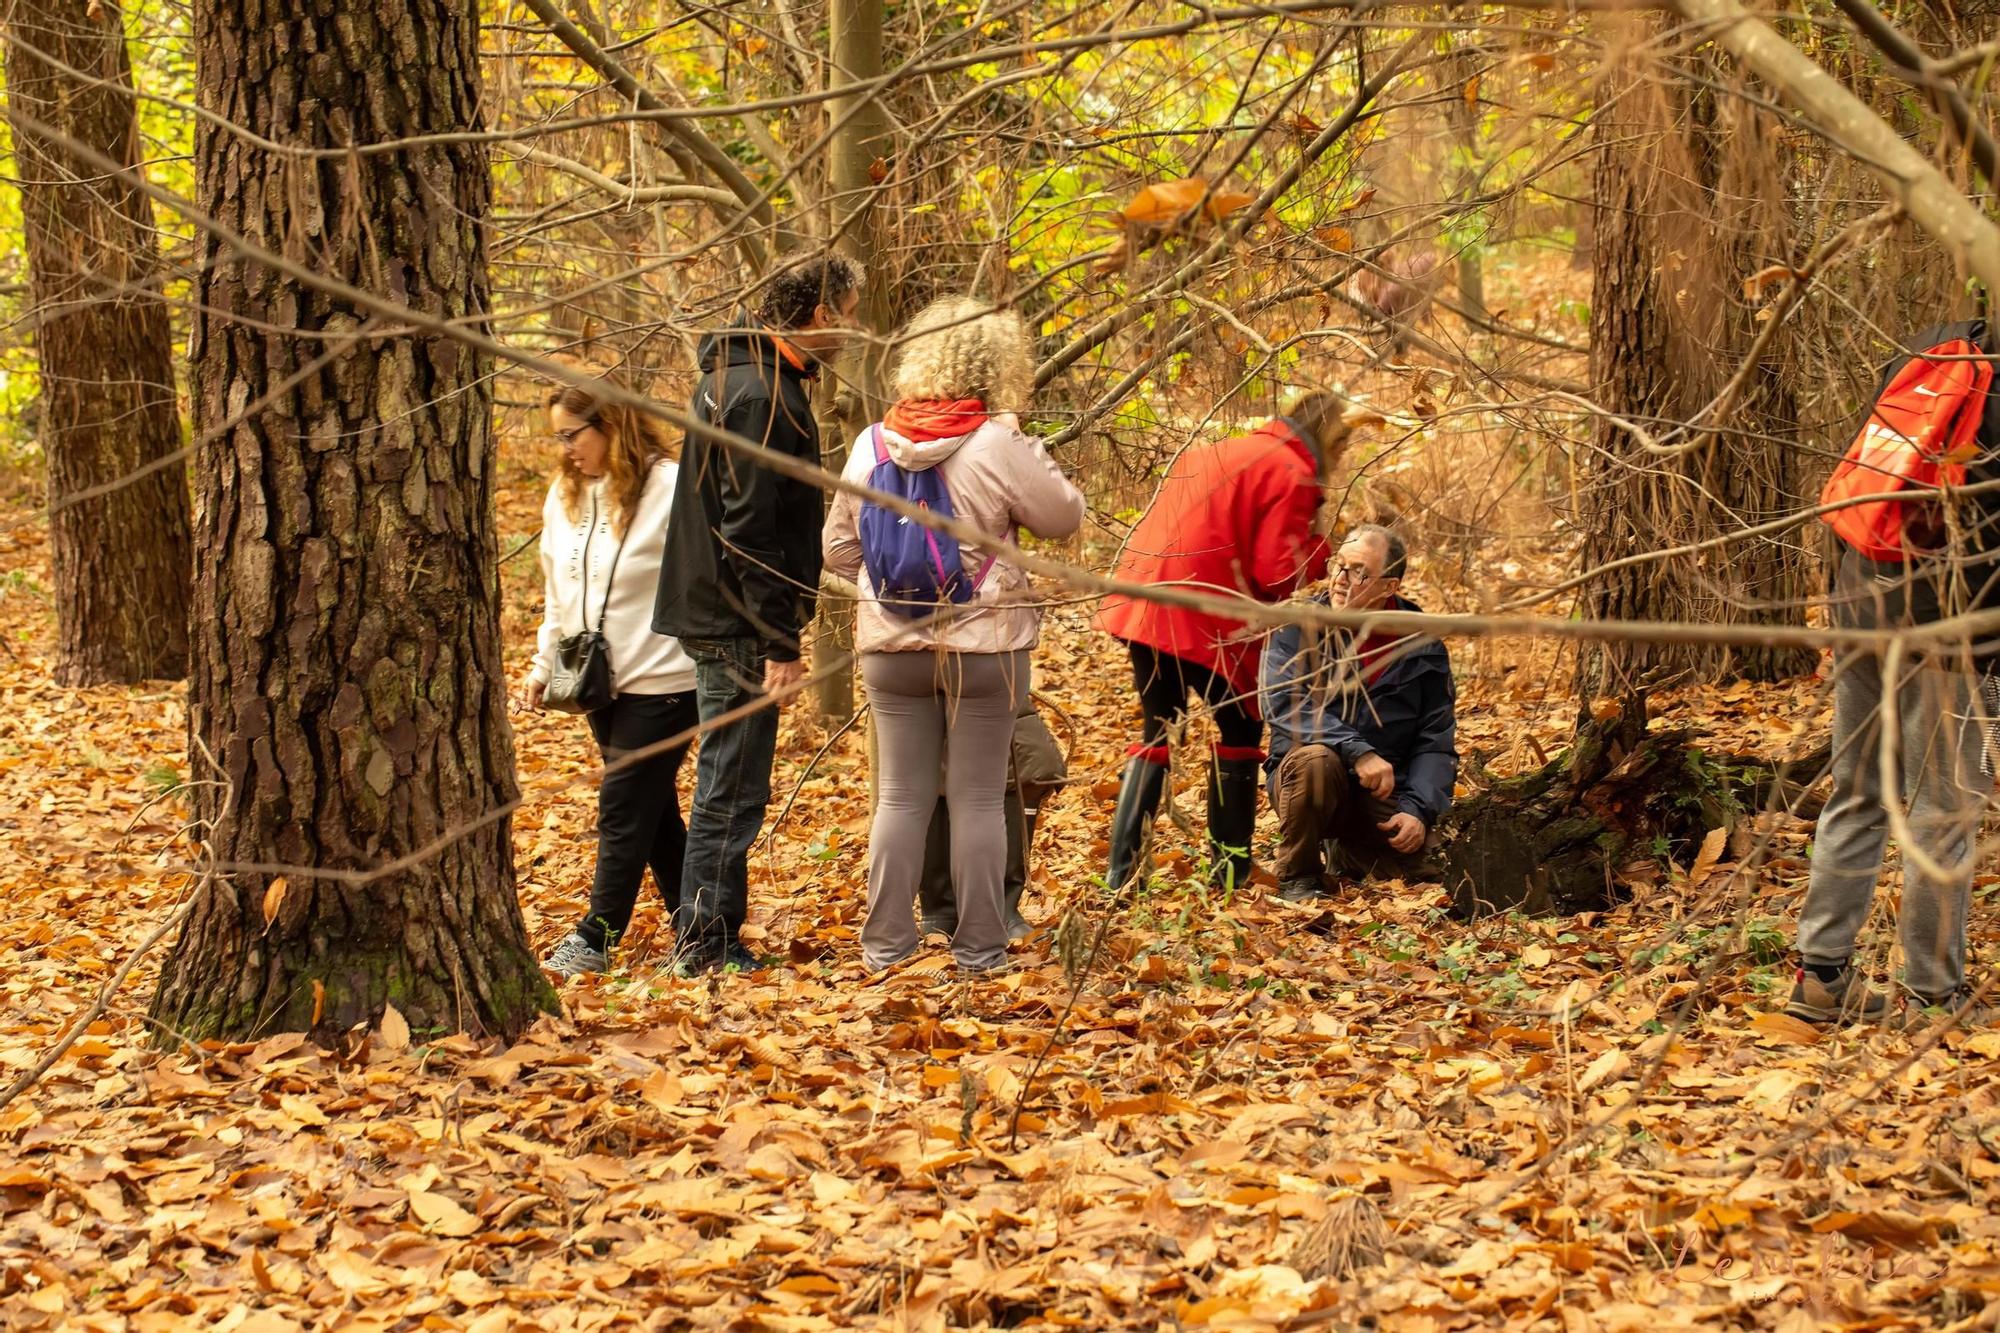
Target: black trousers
point(1164, 683)
point(638, 809)
point(936, 902)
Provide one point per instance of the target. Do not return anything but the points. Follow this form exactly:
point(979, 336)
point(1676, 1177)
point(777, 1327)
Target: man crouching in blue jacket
point(1363, 734)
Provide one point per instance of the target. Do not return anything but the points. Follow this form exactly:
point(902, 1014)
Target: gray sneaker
point(575, 956)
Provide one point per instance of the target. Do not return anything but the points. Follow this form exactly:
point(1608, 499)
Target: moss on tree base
point(1555, 840)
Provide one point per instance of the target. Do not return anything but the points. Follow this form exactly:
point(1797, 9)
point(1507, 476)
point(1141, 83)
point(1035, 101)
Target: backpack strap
point(987, 568)
point(984, 570)
point(881, 457)
point(610, 581)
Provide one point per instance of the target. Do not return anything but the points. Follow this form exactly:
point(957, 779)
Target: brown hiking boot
point(1848, 998)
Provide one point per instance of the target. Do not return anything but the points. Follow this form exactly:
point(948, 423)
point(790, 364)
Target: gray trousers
point(1939, 739)
point(919, 698)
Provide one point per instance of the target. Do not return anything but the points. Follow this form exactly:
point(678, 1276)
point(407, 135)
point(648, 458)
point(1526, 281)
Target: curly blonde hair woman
point(960, 348)
point(604, 527)
point(961, 665)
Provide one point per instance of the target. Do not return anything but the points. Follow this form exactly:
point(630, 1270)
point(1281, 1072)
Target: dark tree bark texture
point(118, 540)
point(1690, 202)
point(346, 668)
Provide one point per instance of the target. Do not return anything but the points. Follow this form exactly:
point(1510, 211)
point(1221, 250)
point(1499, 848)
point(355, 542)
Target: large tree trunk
point(858, 154)
point(347, 674)
point(118, 535)
point(1690, 202)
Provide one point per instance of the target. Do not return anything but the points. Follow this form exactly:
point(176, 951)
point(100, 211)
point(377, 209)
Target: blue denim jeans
point(732, 789)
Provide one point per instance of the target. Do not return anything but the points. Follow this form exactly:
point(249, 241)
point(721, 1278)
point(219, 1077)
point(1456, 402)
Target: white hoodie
point(642, 662)
point(999, 479)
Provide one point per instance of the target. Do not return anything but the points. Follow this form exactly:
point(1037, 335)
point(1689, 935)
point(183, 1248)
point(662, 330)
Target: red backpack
point(1918, 436)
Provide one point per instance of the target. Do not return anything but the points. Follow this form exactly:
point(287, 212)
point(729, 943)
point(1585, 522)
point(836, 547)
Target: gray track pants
point(918, 698)
point(1937, 762)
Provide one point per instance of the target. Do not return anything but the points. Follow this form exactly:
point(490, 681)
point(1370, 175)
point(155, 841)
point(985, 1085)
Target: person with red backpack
point(1235, 519)
point(944, 630)
point(1901, 563)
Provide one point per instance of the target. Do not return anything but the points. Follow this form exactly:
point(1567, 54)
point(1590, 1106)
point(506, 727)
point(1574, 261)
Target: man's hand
point(529, 697)
point(1372, 771)
point(783, 677)
point(1404, 831)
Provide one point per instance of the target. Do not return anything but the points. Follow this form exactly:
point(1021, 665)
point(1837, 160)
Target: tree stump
point(1554, 841)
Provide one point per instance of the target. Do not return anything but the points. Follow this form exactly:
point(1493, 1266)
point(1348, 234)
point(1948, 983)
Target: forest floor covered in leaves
point(1593, 1122)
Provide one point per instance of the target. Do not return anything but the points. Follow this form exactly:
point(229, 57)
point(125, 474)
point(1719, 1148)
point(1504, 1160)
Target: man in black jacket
point(739, 578)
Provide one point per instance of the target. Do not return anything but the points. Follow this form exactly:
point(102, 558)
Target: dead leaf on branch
point(1759, 283)
point(1166, 202)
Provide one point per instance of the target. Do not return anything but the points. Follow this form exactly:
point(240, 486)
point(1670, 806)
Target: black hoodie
point(742, 557)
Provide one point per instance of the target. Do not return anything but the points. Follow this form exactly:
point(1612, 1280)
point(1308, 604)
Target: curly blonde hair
point(961, 348)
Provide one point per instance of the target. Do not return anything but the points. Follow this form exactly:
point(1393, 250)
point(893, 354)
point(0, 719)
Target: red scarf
point(1373, 654)
point(920, 419)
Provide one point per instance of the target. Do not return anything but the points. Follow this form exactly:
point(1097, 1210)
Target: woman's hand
point(528, 698)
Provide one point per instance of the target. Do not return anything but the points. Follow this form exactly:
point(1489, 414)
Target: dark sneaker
point(1303, 889)
point(575, 956)
point(696, 960)
point(1848, 998)
point(1018, 928)
point(736, 958)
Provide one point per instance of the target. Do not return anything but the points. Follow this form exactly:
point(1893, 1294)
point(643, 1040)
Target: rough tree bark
point(1685, 196)
point(346, 663)
point(862, 140)
point(120, 553)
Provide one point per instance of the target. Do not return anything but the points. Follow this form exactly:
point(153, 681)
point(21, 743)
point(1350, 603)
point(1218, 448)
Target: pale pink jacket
point(999, 479)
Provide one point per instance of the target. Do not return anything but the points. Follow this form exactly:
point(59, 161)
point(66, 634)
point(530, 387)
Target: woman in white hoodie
point(960, 667)
point(604, 526)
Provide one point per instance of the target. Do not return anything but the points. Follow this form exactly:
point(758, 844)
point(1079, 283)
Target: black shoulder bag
point(581, 680)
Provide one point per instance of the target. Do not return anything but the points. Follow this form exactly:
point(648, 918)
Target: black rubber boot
point(1232, 814)
point(1138, 801)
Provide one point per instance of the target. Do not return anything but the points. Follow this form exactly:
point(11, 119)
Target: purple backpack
point(916, 570)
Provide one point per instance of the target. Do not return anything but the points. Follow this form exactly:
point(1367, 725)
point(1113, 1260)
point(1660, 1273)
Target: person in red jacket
point(1237, 519)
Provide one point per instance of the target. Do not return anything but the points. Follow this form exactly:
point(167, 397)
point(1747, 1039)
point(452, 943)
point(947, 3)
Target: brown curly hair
point(634, 441)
